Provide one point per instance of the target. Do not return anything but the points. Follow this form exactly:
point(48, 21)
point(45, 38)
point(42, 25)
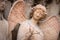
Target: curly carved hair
point(39, 6)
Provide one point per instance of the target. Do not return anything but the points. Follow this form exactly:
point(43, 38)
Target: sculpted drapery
point(29, 31)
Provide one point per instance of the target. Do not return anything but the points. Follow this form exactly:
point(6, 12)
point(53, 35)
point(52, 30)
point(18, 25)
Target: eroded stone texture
point(51, 28)
point(17, 14)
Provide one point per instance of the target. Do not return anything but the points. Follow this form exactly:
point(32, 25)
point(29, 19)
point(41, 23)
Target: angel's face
point(38, 14)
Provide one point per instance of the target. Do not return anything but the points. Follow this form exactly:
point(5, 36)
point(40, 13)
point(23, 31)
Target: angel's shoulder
point(25, 24)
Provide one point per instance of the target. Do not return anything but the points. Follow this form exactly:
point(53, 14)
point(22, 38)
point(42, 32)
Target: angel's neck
point(34, 21)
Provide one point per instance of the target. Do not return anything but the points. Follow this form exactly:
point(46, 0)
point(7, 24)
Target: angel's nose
point(38, 14)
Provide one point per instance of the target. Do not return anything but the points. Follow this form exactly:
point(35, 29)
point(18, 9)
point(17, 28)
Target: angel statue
point(33, 28)
point(29, 29)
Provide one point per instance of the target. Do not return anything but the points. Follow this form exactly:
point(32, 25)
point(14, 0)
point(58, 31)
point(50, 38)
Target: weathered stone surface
point(16, 14)
point(51, 28)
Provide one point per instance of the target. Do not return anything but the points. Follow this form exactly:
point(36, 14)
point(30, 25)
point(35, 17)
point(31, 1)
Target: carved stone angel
point(48, 30)
point(29, 29)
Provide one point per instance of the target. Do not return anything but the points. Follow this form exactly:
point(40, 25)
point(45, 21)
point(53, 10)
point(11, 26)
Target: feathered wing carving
point(16, 14)
point(50, 28)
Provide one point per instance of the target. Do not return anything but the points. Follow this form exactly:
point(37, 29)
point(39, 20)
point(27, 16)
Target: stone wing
point(16, 14)
point(50, 28)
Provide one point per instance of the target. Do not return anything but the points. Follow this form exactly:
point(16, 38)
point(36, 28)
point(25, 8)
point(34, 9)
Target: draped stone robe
point(29, 31)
